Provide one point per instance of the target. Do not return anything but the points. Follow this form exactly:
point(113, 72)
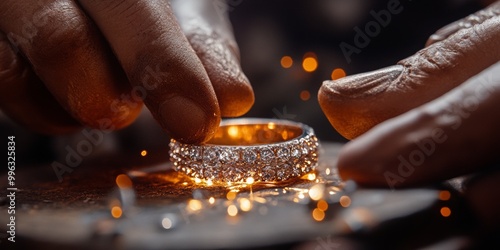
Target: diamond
point(284, 171)
point(266, 155)
point(229, 156)
point(195, 153)
point(268, 173)
point(295, 152)
point(210, 155)
point(232, 174)
point(211, 171)
point(249, 156)
point(305, 148)
point(283, 153)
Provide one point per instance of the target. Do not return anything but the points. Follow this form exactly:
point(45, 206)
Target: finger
point(69, 55)
point(24, 98)
point(159, 60)
point(208, 30)
point(465, 23)
point(451, 136)
point(356, 103)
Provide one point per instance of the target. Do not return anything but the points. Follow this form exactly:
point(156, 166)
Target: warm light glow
point(245, 204)
point(250, 180)
point(271, 125)
point(311, 176)
point(305, 95)
point(322, 205)
point(316, 192)
point(286, 62)
point(211, 200)
point(197, 180)
point(233, 131)
point(231, 195)
point(116, 212)
point(327, 171)
point(345, 201)
point(301, 196)
point(232, 210)
point(318, 215)
point(166, 223)
point(194, 205)
point(338, 73)
point(445, 211)
point(444, 195)
point(123, 181)
point(144, 152)
point(209, 182)
point(309, 64)
point(185, 183)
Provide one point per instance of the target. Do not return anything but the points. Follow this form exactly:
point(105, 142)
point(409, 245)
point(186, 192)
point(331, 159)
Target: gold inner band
point(254, 134)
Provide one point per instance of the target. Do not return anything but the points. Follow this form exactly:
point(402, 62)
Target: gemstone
point(283, 153)
point(210, 155)
point(229, 156)
point(268, 173)
point(295, 152)
point(249, 156)
point(284, 171)
point(266, 155)
point(195, 153)
point(211, 171)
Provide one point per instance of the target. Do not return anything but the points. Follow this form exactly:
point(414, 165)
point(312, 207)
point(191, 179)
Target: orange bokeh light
point(310, 64)
point(318, 215)
point(338, 73)
point(123, 181)
point(444, 195)
point(116, 212)
point(305, 95)
point(445, 211)
point(286, 62)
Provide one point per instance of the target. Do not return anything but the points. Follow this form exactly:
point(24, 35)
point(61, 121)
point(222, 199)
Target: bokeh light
point(310, 64)
point(338, 73)
point(345, 201)
point(123, 181)
point(444, 195)
point(286, 62)
point(445, 211)
point(318, 215)
point(305, 95)
point(116, 212)
point(144, 152)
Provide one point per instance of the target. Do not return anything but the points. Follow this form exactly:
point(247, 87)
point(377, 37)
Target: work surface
point(129, 201)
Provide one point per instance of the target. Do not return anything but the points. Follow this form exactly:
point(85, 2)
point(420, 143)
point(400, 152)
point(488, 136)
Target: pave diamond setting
point(271, 162)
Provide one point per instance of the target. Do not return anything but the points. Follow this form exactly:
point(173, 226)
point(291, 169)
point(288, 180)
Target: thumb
point(356, 103)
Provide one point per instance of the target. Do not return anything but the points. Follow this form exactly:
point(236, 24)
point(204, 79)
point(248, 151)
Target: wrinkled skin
point(431, 117)
point(65, 65)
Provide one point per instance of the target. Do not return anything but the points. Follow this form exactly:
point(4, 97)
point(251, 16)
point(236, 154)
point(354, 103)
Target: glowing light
point(445, 211)
point(286, 62)
point(194, 205)
point(197, 180)
point(345, 201)
point(209, 183)
point(250, 180)
point(116, 212)
point(245, 204)
point(231, 195)
point(184, 183)
point(301, 196)
point(327, 171)
point(316, 192)
point(309, 64)
point(123, 181)
point(311, 176)
point(322, 205)
point(305, 95)
point(167, 223)
point(318, 215)
point(444, 195)
point(338, 73)
point(211, 200)
point(144, 152)
point(232, 210)
point(271, 125)
point(233, 131)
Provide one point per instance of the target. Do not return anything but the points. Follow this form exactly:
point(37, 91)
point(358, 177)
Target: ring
point(268, 150)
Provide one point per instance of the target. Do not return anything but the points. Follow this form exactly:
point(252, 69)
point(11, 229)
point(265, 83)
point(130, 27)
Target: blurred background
point(288, 48)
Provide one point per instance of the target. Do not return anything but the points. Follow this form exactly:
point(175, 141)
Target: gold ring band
point(268, 150)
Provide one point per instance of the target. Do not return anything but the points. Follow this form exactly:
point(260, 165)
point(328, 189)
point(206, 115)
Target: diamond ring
point(268, 150)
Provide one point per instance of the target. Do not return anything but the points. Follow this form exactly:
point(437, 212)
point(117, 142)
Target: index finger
point(160, 64)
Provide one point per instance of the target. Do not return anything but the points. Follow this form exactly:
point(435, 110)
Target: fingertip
point(188, 121)
point(235, 97)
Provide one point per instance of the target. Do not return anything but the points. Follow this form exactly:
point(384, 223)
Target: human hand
point(453, 94)
point(64, 65)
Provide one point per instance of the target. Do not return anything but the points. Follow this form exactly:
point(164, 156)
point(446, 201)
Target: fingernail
point(187, 121)
point(365, 84)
